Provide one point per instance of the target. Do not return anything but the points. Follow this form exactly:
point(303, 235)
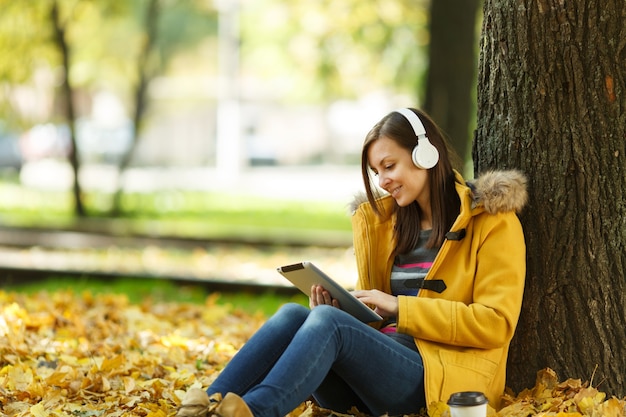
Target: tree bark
point(552, 79)
point(451, 74)
point(66, 87)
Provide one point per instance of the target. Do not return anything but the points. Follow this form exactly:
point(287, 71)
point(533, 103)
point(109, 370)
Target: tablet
point(304, 275)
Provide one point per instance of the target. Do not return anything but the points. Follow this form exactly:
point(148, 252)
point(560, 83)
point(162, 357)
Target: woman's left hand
point(320, 296)
point(385, 304)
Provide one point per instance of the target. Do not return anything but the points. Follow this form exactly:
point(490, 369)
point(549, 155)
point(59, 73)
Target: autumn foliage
point(68, 355)
point(88, 356)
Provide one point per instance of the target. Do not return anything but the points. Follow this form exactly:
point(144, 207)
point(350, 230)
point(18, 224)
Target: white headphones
point(424, 155)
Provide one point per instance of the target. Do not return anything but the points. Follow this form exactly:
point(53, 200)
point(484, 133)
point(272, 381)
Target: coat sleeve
point(485, 279)
point(373, 242)
point(359, 228)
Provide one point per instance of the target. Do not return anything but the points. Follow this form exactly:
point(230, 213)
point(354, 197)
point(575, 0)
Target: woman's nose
point(382, 180)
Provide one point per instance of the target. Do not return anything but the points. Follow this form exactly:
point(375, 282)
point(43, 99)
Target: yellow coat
point(463, 333)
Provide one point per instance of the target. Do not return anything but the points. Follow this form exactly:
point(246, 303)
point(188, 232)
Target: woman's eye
point(388, 167)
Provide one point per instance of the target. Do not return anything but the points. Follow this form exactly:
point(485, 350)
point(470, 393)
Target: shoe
point(198, 404)
point(233, 406)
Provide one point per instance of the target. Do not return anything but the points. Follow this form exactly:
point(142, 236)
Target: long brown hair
point(445, 202)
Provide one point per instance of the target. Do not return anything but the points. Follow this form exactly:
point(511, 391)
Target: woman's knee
point(293, 309)
point(292, 312)
point(325, 316)
point(287, 319)
point(320, 317)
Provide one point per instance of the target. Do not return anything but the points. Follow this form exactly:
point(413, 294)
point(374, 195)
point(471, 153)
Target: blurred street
point(216, 263)
point(321, 182)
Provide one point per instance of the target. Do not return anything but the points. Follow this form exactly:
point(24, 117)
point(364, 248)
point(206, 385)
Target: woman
point(442, 261)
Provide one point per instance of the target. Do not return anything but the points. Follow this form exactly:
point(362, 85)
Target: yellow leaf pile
point(549, 397)
point(570, 398)
point(63, 355)
point(68, 355)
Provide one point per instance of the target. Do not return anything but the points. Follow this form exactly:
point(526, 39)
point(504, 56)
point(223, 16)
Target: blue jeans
point(326, 353)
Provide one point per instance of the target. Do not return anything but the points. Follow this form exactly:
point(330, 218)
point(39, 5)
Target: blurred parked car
point(103, 143)
point(96, 143)
point(10, 156)
point(45, 141)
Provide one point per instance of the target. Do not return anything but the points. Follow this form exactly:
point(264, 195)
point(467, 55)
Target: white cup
point(468, 404)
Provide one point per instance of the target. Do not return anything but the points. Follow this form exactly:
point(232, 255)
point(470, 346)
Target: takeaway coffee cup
point(468, 404)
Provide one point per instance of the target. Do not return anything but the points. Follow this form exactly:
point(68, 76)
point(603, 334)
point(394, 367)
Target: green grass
point(182, 214)
point(157, 290)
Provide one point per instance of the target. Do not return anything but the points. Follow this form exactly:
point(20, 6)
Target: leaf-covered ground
point(83, 355)
point(88, 356)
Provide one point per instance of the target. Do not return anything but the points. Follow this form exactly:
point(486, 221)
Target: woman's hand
point(320, 296)
point(385, 304)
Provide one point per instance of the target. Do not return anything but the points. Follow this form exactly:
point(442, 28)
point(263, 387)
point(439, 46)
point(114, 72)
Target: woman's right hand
point(320, 296)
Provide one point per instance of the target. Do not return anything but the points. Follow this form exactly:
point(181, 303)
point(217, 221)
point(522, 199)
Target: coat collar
point(498, 191)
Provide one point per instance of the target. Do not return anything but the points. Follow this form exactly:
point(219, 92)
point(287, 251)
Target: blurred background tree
point(451, 76)
point(185, 24)
point(89, 46)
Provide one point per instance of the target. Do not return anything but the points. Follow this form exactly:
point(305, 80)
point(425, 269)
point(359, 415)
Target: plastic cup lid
point(467, 399)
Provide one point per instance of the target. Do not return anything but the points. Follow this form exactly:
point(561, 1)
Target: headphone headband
point(414, 120)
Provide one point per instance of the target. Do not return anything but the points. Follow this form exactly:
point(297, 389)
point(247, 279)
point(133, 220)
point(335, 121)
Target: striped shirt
point(414, 264)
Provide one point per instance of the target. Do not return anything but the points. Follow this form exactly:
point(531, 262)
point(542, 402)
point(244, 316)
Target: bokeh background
point(208, 140)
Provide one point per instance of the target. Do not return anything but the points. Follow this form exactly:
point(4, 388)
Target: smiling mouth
point(395, 191)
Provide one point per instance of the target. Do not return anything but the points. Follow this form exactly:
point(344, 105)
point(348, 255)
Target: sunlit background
point(229, 119)
point(228, 84)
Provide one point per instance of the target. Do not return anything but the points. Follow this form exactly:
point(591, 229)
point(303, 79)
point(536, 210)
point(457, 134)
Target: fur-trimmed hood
point(495, 191)
point(500, 191)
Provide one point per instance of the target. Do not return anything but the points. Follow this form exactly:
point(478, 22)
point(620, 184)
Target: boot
point(198, 404)
point(233, 406)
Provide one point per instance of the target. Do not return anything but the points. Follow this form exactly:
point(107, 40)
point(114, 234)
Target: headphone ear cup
point(425, 155)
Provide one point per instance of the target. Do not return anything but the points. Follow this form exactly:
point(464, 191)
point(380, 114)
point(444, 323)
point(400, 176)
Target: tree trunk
point(452, 69)
point(66, 87)
point(552, 79)
point(145, 73)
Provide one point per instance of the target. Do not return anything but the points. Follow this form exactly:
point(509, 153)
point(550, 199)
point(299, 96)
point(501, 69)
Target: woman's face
point(397, 174)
